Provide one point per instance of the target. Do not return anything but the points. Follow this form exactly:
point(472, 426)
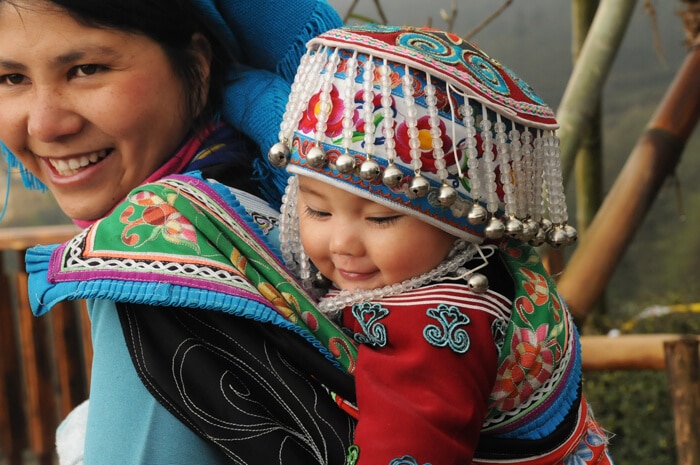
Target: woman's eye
point(86, 70)
point(13, 79)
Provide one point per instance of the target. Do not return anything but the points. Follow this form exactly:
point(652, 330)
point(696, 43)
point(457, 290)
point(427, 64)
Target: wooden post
point(13, 438)
point(683, 369)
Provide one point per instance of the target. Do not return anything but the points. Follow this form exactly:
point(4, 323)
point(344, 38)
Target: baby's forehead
point(334, 192)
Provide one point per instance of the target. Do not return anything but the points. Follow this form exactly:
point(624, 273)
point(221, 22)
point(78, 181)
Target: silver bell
point(392, 176)
point(419, 186)
point(556, 237)
point(539, 238)
point(546, 224)
point(494, 228)
point(316, 157)
point(447, 195)
point(530, 228)
point(345, 163)
point(514, 228)
point(278, 155)
point(369, 170)
point(478, 283)
point(477, 214)
point(571, 234)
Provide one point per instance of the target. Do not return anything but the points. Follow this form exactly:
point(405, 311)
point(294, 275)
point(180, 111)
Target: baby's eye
point(384, 220)
point(86, 70)
point(13, 79)
point(310, 212)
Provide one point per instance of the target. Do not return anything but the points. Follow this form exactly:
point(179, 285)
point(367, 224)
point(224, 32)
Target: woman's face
point(90, 112)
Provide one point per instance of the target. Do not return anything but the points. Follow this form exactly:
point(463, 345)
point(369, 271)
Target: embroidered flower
point(334, 124)
point(528, 366)
point(403, 147)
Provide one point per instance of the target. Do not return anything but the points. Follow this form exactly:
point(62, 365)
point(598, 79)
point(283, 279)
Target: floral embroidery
point(159, 218)
point(450, 318)
point(403, 149)
point(334, 124)
point(368, 315)
point(528, 366)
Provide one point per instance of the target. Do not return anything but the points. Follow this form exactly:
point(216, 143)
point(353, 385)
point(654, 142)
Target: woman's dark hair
point(171, 23)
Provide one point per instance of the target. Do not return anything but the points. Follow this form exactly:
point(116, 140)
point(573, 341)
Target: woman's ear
point(201, 52)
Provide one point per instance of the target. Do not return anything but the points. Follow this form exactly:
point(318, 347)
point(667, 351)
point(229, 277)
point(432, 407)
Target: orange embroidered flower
point(529, 365)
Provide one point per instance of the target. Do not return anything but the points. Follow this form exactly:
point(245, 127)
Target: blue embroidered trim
point(450, 318)
point(368, 315)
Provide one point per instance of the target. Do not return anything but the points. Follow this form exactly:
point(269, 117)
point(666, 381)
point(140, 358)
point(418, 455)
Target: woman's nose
point(51, 116)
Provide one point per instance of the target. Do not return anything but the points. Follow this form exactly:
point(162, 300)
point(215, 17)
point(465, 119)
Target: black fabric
point(250, 388)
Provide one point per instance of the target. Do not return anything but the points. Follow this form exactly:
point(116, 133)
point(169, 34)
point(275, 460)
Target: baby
point(423, 172)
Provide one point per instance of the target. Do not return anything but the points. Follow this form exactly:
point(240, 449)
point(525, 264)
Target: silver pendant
point(447, 195)
point(514, 228)
point(278, 155)
point(392, 176)
point(316, 157)
point(477, 214)
point(478, 283)
point(494, 228)
point(345, 163)
point(419, 186)
point(556, 237)
point(369, 170)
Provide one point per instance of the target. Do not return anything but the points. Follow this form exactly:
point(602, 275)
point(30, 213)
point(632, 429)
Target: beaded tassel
point(346, 162)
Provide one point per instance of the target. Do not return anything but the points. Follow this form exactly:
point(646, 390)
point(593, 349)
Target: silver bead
point(530, 228)
point(539, 238)
point(316, 157)
point(369, 170)
point(392, 176)
point(494, 228)
point(447, 195)
point(514, 228)
point(556, 237)
point(478, 283)
point(278, 154)
point(345, 163)
point(419, 186)
point(477, 214)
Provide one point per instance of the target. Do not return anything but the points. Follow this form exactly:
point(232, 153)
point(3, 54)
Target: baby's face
point(360, 244)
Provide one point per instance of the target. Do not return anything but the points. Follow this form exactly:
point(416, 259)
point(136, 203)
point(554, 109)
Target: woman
point(144, 120)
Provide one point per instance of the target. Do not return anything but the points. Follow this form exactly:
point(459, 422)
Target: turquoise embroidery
point(368, 314)
point(499, 328)
point(405, 460)
point(448, 333)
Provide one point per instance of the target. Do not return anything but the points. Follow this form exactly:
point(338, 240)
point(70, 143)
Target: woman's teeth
point(71, 166)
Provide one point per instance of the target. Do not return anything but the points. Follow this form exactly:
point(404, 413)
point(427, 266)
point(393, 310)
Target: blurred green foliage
point(635, 406)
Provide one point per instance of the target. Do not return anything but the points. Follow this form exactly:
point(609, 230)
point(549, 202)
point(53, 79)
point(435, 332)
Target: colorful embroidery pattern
point(448, 332)
point(368, 315)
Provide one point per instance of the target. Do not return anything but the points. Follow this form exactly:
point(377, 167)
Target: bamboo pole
point(577, 108)
point(654, 157)
point(631, 352)
point(683, 369)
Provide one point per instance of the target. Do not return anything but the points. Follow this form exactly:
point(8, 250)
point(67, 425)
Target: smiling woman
point(145, 121)
point(90, 112)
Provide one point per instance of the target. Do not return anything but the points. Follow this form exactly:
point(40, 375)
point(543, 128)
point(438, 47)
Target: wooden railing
point(45, 362)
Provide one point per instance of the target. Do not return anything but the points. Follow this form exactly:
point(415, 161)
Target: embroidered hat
point(428, 124)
